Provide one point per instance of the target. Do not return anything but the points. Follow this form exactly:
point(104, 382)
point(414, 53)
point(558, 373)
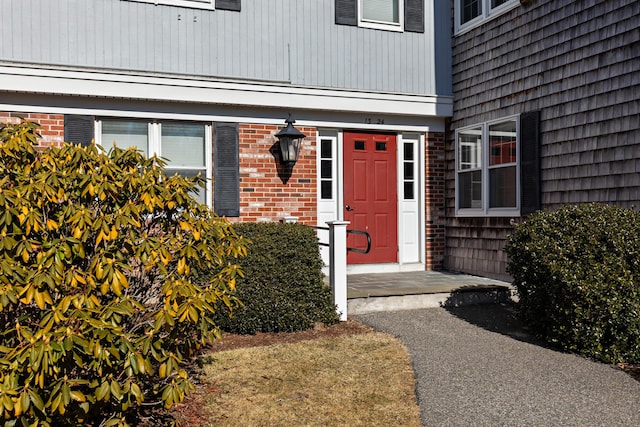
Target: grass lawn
point(344, 375)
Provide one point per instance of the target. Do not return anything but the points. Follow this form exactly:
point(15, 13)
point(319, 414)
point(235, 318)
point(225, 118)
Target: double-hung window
point(383, 14)
point(392, 15)
point(469, 13)
point(487, 169)
point(184, 145)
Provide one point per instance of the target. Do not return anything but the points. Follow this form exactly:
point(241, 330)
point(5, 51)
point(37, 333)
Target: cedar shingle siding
point(578, 62)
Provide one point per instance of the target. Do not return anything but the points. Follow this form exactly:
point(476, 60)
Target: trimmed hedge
point(282, 289)
point(577, 272)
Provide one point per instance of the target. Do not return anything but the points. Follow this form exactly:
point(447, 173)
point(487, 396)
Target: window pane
point(408, 190)
point(408, 150)
point(470, 190)
point(469, 149)
point(502, 143)
point(125, 134)
point(496, 3)
point(183, 144)
point(381, 10)
point(408, 170)
point(502, 187)
point(470, 9)
point(326, 190)
point(325, 149)
point(325, 169)
point(191, 173)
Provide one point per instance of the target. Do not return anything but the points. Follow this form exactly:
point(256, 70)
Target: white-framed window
point(471, 13)
point(381, 14)
point(409, 169)
point(327, 169)
point(488, 169)
point(195, 4)
point(186, 146)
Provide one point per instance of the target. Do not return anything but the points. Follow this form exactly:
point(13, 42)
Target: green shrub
point(282, 289)
point(99, 308)
point(577, 273)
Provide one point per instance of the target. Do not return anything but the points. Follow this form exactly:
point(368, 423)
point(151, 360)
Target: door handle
point(348, 208)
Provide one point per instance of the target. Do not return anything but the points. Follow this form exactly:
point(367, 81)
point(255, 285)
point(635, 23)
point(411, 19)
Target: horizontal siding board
point(274, 40)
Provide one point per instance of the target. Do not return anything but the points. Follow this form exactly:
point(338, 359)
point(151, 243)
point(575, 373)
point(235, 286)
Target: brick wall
point(434, 200)
point(264, 196)
point(270, 192)
point(52, 129)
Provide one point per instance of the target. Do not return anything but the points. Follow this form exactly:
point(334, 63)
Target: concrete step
point(464, 295)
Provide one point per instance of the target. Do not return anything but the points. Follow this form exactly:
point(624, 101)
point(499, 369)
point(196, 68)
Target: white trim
point(99, 83)
point(408, 253)
point(340, 166)
point(383, 268)
point(487, 14)
point(193, 4)
point(486, 210)
point(208, 153)
point(423, 197)
point(430, 124)
point(381, 25)
point(399, 197)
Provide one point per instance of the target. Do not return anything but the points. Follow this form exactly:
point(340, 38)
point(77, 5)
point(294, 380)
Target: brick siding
point(434, 200)
point(263, 194)
point(52, 125)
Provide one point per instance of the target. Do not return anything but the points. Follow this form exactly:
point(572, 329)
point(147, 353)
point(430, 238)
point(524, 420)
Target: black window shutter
point(226, 170)
point(78, 129)
point(414, 16)
point(530, 162)
point(228, 5)
point(347, 12)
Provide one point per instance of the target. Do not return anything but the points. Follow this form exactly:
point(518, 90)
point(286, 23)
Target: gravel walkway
point(475, 366)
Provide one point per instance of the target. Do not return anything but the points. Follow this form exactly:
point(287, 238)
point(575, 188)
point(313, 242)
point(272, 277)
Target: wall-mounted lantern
point(290, 139)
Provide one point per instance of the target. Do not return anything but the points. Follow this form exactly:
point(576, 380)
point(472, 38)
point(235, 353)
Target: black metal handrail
point(357, 250)
point(362, 233)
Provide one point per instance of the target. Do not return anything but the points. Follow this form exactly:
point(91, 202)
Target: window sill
point(479, 213)
point(398, 28)
point(179, 3)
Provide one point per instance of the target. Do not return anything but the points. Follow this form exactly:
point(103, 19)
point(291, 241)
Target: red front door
point(370, 195)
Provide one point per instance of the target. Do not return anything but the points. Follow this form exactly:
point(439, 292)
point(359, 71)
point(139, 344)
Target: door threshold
point(384, 268)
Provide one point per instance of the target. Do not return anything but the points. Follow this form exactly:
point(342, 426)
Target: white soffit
point(184, 89)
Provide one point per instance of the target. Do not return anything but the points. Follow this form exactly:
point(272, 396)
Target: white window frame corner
point(487, 14)
point(379, 25)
